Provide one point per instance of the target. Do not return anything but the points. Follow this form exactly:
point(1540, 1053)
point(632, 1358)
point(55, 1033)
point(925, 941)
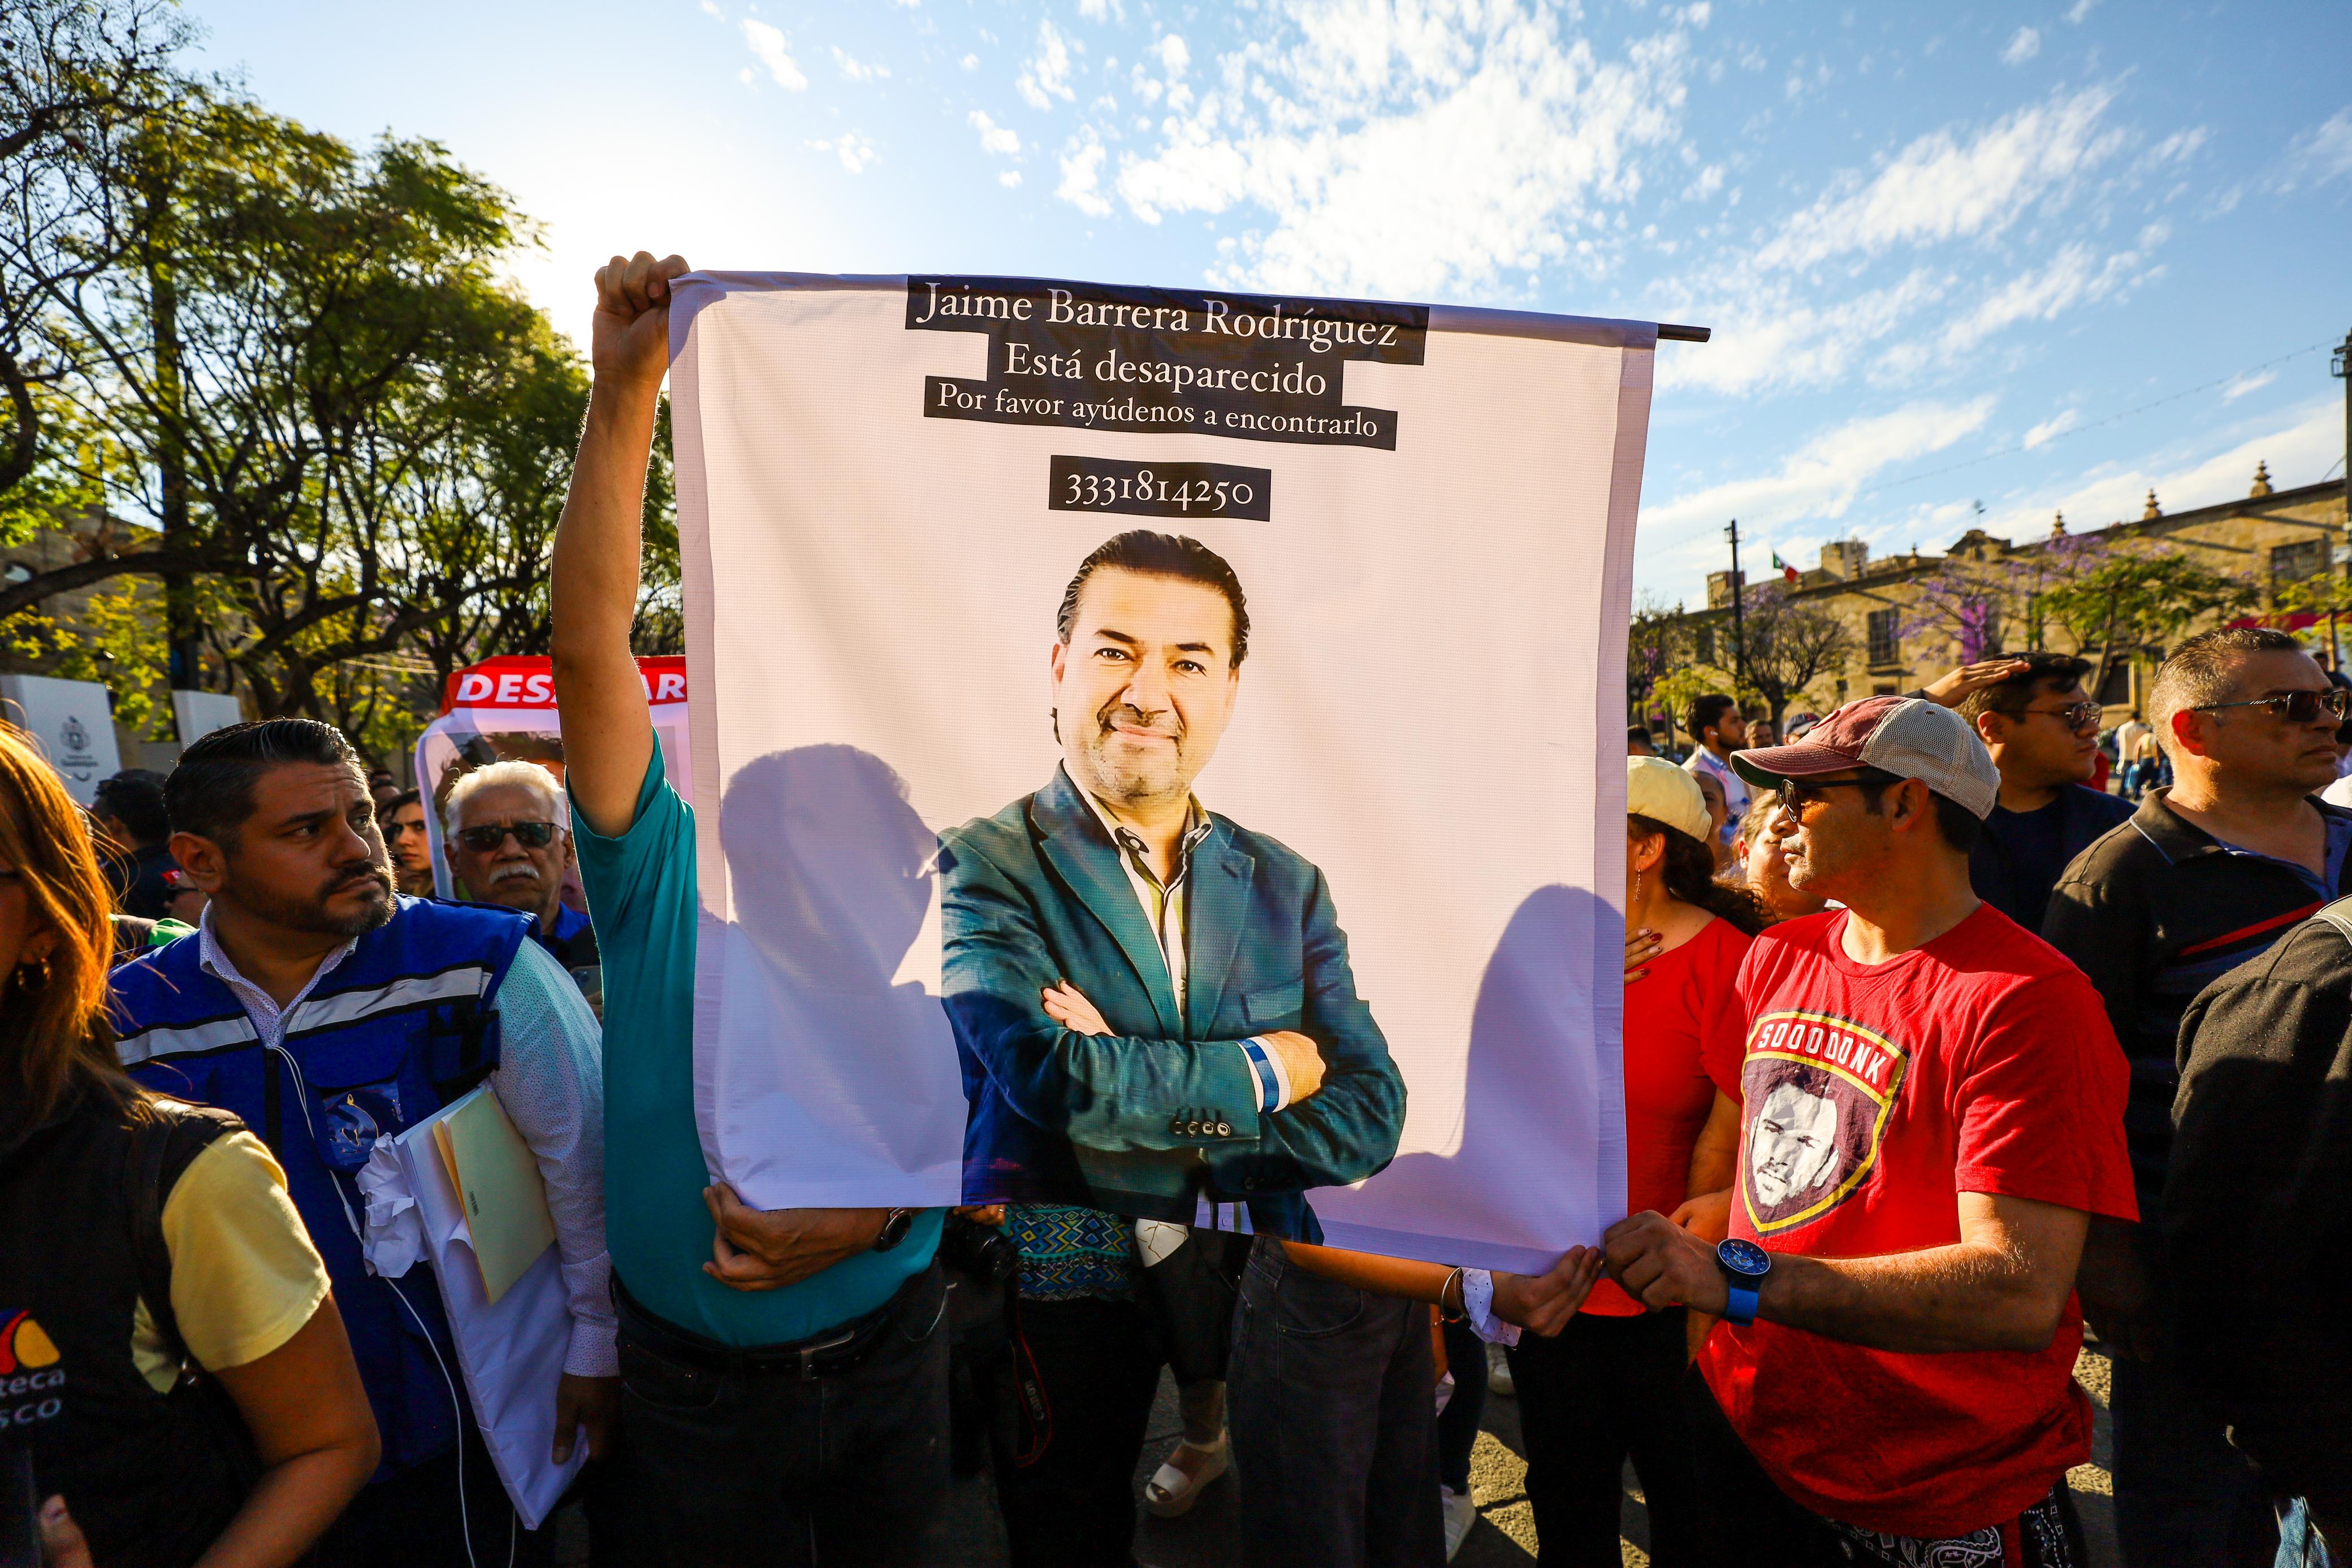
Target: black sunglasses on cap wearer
point(2296, 707)
point(530, 835)
point(1797, 794)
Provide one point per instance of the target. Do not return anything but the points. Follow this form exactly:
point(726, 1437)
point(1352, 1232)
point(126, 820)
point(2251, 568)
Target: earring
point(34, 974)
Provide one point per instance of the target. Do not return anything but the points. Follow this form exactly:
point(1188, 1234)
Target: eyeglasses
point(1795, 794)
point(530, 835)
point(2074, 716)
point(2296, 707)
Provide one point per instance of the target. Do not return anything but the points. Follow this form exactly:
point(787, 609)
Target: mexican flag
point(1783, 568)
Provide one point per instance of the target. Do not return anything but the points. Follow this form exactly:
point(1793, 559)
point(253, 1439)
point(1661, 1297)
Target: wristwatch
point(895, 1226)
point(1744, 1266)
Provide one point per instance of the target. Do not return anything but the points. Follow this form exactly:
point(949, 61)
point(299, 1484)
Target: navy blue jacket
point(1996, 867)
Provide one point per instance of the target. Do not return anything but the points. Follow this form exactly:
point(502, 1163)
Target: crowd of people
point(1934, 1051)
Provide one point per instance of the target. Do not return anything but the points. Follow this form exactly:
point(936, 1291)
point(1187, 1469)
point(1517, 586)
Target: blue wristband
point(1740, 1304)
point(1269, 1087)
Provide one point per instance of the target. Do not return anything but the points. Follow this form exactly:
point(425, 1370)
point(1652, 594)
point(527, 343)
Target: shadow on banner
point(832, 876)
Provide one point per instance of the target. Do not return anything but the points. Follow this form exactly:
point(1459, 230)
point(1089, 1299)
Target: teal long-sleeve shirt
point(641, 893)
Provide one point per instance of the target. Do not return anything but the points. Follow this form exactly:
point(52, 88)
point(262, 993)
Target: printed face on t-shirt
point(1793, 1147)
point(1818, 1089)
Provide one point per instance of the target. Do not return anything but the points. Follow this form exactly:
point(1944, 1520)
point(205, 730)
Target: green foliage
point(304, 361)
point(2137, 596)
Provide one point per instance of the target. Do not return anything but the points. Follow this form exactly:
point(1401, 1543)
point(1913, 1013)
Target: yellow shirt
point(245, 1278)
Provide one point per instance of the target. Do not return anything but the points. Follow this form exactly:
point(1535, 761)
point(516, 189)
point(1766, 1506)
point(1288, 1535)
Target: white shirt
point(1163, 910)
point(551, 1082)
point(1734, 788)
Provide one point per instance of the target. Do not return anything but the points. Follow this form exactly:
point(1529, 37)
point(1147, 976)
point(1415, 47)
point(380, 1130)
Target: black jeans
point(1332, 1401)
point(1066, 1481)
point(1606, 1390)
point(1457, 1424)
point(767, 1468)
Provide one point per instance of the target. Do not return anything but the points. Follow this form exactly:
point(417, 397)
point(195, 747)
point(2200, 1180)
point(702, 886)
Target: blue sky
point(1950, 254)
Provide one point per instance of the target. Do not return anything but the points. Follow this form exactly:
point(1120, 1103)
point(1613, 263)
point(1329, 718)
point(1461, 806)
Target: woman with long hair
point(180, 1381)
point(1606, 1389)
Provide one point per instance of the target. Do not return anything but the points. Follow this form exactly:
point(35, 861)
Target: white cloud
point(2080, 9)
point(1100, 10)
point(1082, 177)
point(1939, 189)
point(2050, 429)
point(856, 153)
point(1822, 478)
point(1174, 55)
point(710, 10)
point(1410, 150)
point(2321, 154)
point(767, 45)
point(2074, 277)
point(856, 69)
point(2023, 44)
point(2299, 446)
point(2253, 381)
point(1045, 75)
point(1008, 178)
point(1001, 140)
point(970, 62)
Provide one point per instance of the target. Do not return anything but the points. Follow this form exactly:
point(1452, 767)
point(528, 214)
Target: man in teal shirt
point(783, 1373)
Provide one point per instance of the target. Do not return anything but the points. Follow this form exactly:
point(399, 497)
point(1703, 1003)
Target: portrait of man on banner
point(1153, 1003)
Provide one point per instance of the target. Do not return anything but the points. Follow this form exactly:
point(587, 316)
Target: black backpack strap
point(162, 1144)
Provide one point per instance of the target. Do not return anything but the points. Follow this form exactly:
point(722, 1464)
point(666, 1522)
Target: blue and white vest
point(403, 1025)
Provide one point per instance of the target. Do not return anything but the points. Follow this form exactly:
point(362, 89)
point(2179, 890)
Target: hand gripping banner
point(1156, 750)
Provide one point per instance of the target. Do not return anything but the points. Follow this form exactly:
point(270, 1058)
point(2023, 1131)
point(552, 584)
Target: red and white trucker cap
point(1907, 737)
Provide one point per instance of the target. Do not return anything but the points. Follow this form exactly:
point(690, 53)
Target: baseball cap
point(1908, 737)
point(1656, 788)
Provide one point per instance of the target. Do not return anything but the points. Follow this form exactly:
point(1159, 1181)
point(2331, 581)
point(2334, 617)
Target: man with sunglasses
point(510, 843)
point(2208, 874)
point(1931, 1115)
point(2042, 730)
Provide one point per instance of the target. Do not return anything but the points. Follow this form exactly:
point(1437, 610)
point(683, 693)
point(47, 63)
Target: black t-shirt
point(2036, 842)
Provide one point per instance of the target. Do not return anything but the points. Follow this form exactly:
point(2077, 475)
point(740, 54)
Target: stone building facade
point(2273, 536)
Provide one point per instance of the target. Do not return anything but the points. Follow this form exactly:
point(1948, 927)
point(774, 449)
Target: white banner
point(931, 674)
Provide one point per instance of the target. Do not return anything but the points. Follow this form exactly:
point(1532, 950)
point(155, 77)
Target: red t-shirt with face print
point(1871, 1097)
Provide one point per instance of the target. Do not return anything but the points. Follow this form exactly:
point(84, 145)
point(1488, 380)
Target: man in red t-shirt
point(1931, 1104)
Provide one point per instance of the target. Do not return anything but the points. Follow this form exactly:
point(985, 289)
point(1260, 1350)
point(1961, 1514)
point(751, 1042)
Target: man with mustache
point(329, 1012)
point(1153, 1004)
point(510, 843)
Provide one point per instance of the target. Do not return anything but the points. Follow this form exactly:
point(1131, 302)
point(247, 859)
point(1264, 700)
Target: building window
point(2292, 563)
point(1707, 645)
point(1884, 649)
point(2116, 690)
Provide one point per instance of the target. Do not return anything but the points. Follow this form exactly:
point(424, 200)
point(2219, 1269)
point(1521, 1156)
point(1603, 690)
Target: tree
point(1989, 598)
point(77, 81)
point(1790, 644)
point(2136, 595)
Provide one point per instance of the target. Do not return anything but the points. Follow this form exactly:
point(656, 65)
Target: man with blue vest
point(784, 1373)
point(328, 1012)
